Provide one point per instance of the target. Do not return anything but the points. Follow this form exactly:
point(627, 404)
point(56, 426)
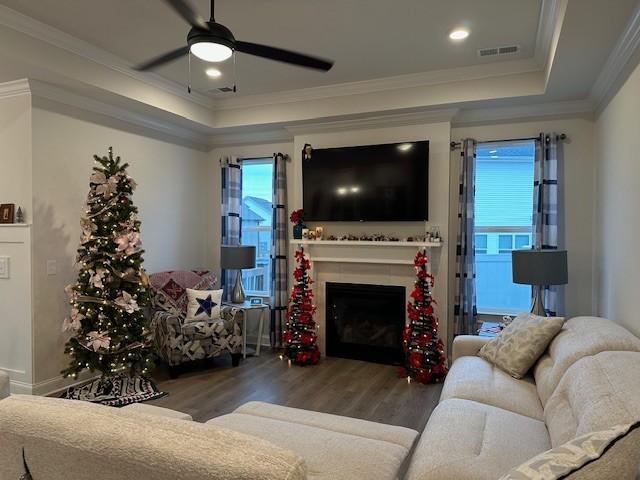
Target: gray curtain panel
point(231, 212)
point(279, 249)
point(545, 205)
point(465, 313)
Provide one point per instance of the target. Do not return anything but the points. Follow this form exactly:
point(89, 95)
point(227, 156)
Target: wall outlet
point(4, 267)
point(52, 267)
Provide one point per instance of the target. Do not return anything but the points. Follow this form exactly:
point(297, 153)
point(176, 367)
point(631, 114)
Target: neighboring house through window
point(257, 194)
point(503, 222)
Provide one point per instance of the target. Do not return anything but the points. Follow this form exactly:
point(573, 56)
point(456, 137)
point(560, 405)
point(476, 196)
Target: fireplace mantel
point(362, 251)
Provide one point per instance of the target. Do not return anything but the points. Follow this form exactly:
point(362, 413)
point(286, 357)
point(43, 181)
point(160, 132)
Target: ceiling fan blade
point(162, 59)
point(186, 12)
point(286, 56)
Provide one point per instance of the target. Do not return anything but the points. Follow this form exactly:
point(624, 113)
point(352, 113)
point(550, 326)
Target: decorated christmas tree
point(299, 337)
point(107, 321)
point(424, 351)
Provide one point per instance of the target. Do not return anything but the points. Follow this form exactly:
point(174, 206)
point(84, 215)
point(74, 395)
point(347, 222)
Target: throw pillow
point(203, 305)
point(611, 453)
point(521, 343)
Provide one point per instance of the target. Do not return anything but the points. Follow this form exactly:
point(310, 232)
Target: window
point(257, 194)
point(503, 219)
point(480, 244)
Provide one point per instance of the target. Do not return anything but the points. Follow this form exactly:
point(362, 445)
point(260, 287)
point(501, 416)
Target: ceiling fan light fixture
point(211, 52)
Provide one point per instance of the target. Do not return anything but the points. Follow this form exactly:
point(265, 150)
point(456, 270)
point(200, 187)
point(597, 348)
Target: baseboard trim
point(51, 386)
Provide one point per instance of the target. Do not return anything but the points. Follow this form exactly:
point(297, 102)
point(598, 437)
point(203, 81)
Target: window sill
point(501, 312)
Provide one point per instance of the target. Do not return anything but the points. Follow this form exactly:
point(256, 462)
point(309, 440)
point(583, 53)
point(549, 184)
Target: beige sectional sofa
point(486, 423)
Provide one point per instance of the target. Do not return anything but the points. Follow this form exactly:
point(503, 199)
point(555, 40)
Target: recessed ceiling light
point(459, 34)
point(494, 156)
point(213, 72)
point(493, 151)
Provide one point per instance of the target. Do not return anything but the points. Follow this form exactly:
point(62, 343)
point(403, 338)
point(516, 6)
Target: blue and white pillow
point(203, 305)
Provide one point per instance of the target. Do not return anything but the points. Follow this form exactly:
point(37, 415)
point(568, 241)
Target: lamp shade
point(539, 267)
point(237, 257)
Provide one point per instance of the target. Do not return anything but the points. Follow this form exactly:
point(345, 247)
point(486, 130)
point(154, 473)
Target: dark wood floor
point(339, 386)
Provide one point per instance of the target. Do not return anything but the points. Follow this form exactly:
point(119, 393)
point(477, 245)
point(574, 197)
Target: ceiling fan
point(213, 42)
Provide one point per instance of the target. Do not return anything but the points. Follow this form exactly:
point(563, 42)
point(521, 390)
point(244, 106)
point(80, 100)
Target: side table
point(246, 307)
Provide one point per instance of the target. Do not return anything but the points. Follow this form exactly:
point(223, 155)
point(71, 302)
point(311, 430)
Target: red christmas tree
point(424, 351)
point(299, 337)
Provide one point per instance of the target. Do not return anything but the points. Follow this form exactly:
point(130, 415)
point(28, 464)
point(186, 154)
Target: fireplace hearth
point(365, 322)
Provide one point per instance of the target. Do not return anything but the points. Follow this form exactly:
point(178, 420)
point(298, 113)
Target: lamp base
point(537, 308)
point(237, 295)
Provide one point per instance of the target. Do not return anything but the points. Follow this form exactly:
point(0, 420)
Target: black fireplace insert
point(365, 322)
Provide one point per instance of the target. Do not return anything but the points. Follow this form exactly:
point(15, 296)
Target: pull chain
point(234, 71)
point(189, 79)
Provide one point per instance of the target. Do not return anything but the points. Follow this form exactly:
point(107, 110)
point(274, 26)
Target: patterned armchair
point(177, 342)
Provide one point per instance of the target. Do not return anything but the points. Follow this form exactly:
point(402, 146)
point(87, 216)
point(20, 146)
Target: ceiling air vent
point(226, 89)
point(498, 51)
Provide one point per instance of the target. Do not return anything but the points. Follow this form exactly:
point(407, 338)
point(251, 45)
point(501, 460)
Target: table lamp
point(539, 268)
point(237, 257)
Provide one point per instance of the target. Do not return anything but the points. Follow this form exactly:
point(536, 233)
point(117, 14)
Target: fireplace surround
point(365, 322)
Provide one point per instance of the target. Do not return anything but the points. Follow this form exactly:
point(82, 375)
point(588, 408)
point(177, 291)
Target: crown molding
point(481, 116)
point(15, 88)
point(280, 135)
point(435, 77)
point(377, 121)
point(549, 11)
point(624, 57)
point(51, 35)
point(170, 131)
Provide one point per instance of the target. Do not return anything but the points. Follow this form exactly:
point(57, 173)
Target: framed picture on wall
point(7, 212)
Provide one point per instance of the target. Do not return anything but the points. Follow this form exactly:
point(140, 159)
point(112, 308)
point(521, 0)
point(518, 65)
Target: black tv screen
point(386, 182)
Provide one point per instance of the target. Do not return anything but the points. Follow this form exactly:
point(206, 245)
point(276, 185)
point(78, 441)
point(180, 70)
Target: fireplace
point(365, 322)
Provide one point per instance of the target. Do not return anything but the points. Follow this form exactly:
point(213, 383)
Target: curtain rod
point(455, 145)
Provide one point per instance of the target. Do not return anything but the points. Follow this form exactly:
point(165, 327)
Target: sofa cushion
point(470, 440)
point(473, 378)
point(579, 337)
point(65, 439)
point(169, 289)
point(517, 348)
point(612, 453)
point(333, 447)
point(148, 409)
point(596, 393)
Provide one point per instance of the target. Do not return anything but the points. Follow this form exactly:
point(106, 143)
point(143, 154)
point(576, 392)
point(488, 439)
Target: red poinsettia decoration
point(424, 351)
point(297, 216)
point(299, 338)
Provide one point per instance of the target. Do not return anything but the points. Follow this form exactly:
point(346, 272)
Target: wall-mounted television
point(387, 182)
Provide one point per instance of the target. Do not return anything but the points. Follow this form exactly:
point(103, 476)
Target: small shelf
point(15, 225)
point(366, 243)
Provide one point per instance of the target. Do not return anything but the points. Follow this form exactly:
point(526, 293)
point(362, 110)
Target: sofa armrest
point(157, 411)
point(233, 318)
point(166, 321)
point(467, 345)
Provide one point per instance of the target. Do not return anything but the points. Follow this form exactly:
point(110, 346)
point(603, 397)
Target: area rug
point(116, 391)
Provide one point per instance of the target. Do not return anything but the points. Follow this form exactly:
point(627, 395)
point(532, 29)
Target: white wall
point(618, 199)
point(175, 197)
point(15, 241)
point(576, 195)
point(15, 151)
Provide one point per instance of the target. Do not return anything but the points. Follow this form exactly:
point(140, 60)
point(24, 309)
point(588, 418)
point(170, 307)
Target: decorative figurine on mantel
point(19, 216)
